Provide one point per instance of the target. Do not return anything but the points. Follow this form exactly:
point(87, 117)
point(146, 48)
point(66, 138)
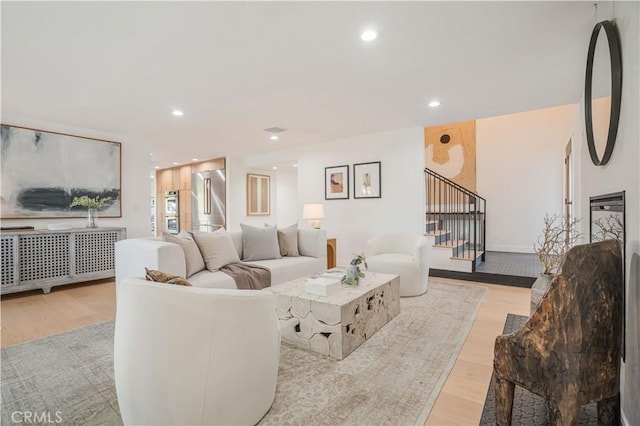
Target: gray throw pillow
point(217, 249)
point(288, 241)
point(192, 256)
point(259, 243)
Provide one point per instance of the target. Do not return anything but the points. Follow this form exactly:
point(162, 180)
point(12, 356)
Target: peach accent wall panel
point(450, 151)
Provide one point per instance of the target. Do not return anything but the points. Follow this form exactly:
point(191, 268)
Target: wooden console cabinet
point(43, 259)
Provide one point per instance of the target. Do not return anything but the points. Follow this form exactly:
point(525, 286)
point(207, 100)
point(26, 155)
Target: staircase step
point(467, 256)
point(431, 225)
point(451, 244)
point(439, 236)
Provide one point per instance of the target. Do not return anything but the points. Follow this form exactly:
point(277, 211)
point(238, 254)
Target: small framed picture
point(258, 201)
point(366, 180)
point(336, 183)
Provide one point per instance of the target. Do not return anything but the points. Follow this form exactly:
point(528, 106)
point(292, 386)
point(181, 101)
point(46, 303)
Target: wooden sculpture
point(569, 349)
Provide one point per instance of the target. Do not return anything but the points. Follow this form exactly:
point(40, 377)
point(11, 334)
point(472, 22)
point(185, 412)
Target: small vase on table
point(92, 213)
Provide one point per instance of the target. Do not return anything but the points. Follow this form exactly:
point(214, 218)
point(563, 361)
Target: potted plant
point(353, 272)
point(92, 205)
point(558, 236)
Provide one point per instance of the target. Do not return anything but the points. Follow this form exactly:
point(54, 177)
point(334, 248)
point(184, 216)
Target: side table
point(331, 253)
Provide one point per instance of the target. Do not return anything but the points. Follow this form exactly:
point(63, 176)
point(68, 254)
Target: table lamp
point(313, 212)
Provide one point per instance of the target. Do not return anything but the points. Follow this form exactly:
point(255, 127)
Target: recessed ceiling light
point(434, 104)
point(295, 165)
point(194, 159)
point(152, 176)
point(274, 168)
point(175, 164)
point(274, 137)
point(369, 35)
point(177, 113)
point(156, 167)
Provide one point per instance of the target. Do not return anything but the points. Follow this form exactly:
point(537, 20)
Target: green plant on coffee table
point(353, 273)
point(89, 203)
point(558, 236)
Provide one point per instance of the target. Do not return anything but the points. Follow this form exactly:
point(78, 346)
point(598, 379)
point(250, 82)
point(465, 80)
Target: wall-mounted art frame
point(258, 195)
point(336, 183)
point(367, 180)
point(43, 171)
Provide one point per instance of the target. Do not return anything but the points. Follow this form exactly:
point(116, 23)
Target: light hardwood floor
point(31, 315)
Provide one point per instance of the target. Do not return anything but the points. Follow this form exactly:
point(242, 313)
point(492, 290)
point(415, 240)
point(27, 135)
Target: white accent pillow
point(217, 249)
point(288, 241)
point(192, 256)
point(259, 243)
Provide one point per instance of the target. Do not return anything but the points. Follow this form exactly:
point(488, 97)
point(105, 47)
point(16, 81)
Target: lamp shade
point(313, 211)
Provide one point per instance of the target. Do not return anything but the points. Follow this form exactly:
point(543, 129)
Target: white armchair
point(188, 355)
point(405, 254)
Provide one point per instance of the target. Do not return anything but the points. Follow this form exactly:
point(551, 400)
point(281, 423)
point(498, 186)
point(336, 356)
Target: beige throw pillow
point(217, 249)
point(192, 256)
point(288, 241)
point(259, 243)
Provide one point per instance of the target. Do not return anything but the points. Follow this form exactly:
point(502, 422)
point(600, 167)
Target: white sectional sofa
point(134, 254)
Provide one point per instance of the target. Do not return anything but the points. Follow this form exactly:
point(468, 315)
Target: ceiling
point(236, 68)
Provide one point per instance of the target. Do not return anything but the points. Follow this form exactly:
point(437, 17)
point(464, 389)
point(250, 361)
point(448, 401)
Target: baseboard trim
point(483, 277)
point(511, 249)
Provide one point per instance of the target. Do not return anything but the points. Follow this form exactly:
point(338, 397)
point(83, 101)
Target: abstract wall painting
point(450, 151)
point(43, 171)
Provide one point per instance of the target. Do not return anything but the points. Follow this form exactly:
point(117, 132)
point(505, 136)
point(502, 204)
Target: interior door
point(568, 190)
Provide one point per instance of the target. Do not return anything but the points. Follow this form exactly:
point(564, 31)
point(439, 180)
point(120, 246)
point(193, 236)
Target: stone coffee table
point(336, 325)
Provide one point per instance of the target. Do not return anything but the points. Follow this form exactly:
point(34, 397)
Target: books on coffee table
point(323, 286)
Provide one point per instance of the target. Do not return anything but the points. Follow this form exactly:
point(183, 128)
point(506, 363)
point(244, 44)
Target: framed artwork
point(366, 180)
point(336, 183)
point(258, 199)
point(42, 172)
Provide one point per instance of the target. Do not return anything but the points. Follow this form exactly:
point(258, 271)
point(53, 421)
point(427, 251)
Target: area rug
point(528, 408)
point(393, 378)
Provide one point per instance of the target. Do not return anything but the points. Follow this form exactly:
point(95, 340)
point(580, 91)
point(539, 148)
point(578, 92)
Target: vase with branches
point(558, 236)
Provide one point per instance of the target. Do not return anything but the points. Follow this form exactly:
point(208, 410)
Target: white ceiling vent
point(275, 130)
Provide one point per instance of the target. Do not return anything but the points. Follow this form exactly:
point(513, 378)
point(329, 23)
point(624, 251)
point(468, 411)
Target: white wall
point(287, 196)
point(621, 173)
point(354, 221)
point(135, 165)
point(236, 171)
point(519, 163)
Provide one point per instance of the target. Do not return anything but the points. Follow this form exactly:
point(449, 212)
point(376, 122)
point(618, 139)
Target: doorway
point(568, 191)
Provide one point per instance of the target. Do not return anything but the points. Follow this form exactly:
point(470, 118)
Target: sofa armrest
point(134, 254)
point(312, 242)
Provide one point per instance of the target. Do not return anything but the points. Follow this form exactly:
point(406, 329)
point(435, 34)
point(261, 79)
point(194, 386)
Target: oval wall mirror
point(603, 91)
